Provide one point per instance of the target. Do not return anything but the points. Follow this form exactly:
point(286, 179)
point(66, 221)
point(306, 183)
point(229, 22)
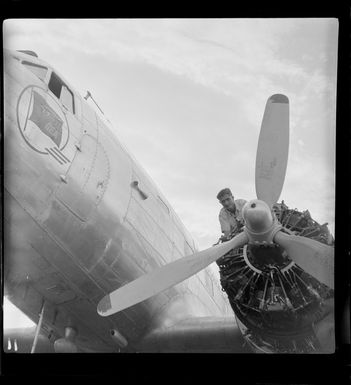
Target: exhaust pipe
point(118, 338)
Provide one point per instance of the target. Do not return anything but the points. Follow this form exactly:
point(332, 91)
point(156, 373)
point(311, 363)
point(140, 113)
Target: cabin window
point(62, 92)
point(38, 70)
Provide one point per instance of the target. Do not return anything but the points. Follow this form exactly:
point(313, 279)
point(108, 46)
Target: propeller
point(260, 226)
point(272, 149)
point(314, 257)
point(164, 277)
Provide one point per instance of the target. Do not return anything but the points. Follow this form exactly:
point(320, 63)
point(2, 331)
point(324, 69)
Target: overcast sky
point(187, 96)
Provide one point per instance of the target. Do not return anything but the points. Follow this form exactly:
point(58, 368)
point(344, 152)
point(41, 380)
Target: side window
point(67, 98)
point(38, 70)
point(62, 92)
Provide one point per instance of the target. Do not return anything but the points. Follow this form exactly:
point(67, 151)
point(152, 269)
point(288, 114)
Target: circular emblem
point(42, 121)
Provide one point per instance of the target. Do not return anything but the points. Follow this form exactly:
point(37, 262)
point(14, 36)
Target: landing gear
point(37, 330)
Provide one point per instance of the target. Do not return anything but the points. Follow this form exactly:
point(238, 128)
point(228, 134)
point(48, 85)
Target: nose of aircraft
point(257, 215)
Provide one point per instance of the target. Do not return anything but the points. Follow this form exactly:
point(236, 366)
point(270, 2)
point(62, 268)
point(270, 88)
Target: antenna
point(89, 95)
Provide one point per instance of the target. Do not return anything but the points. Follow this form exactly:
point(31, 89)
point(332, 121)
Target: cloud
point(230, 44)
point(233, 56)
point(237, 64)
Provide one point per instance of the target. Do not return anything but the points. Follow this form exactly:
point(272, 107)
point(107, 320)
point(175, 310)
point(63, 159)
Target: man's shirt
point(228, 220)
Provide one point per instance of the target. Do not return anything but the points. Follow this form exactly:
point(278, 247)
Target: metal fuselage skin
point(77, 225)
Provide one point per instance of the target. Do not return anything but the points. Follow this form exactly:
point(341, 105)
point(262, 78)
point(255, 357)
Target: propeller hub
point(258, 216)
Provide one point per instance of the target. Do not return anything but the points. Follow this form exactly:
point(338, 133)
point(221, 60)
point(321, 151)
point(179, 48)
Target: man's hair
point(223, 192)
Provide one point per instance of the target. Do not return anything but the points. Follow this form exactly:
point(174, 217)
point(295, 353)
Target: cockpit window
point(38, 70)
point(62, 92)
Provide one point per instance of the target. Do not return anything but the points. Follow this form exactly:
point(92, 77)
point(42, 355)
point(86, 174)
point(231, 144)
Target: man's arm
point(225, 225)
point(240, 203)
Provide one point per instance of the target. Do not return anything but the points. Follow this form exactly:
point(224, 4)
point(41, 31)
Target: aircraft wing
point(192, 335)
point(196, 335)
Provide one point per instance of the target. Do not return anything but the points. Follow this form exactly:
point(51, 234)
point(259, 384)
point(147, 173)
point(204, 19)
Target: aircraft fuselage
point(83, 218)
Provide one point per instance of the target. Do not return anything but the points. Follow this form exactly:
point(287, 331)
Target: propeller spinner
point(260, 225)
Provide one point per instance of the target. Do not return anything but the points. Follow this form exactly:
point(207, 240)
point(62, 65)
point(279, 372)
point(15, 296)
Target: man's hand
point(222, 239)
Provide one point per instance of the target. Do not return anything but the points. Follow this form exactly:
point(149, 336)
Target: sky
point(186, 97)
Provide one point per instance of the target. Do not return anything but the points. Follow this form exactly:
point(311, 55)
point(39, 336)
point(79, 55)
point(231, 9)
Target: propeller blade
point(272, 150)
point(316, 258)
point(164, 277)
